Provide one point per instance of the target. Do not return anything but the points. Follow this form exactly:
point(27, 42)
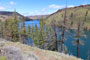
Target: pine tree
point(42, 34)
point(28, 31)
point(22, 32)
point(53, 23)
point(15, 27)
point(33, 33)
point(28, 34)
point(11, 28)
point(35, 36)
point(50, 42)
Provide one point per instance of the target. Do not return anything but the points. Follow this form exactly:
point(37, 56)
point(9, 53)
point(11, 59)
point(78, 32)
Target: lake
point(69, 42)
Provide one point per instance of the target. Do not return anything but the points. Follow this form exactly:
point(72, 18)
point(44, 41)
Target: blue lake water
point(69, 42)
point(32, 23)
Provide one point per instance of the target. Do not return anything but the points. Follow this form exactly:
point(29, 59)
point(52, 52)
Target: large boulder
point(12, 53)
point(2, 42)
point(32, 56)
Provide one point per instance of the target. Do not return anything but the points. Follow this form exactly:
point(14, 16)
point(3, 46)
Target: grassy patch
point(3, 58)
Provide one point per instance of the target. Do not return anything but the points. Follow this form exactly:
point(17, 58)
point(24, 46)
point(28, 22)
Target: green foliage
point(10, 28)
point(41, 35)
point(28, 31)
point(35, 34)
point(23, 32)
point(1, 29)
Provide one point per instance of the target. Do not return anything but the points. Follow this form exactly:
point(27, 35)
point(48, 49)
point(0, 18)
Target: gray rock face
point(2, 42)
point(32, 56)
point(12, 53)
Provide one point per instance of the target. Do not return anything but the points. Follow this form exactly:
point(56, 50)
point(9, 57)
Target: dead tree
point(63, 30)
point(78, 36)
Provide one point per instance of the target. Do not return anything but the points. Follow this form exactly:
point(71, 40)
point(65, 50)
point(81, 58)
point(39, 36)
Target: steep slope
point(74, 14)
point(12, 50)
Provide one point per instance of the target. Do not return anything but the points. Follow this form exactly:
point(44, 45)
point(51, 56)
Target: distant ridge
point(5, 14)
point(81, 6)
point(38, 17)
point(8, 13)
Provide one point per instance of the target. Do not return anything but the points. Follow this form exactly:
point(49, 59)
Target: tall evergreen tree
point(22, 32)
point(15, 27)
point(42, 34)
point(11, 28)
point(50, 42)
point(35, 35)
point(53, 23)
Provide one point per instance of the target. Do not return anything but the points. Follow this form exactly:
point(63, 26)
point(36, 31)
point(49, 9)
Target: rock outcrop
point(18, 51)
point(12, 53)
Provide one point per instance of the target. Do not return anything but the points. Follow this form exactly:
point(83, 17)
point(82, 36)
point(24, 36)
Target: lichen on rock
point(12, 53)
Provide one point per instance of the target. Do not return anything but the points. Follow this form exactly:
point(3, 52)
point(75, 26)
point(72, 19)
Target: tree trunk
point(78, 51)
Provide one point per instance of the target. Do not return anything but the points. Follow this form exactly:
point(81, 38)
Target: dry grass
point(42, 54)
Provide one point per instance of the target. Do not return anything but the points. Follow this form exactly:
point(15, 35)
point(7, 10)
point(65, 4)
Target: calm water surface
point(69, 42)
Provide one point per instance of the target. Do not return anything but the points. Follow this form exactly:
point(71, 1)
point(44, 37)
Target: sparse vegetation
point(73, 15)
point(41, 54)
point(46, 35)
